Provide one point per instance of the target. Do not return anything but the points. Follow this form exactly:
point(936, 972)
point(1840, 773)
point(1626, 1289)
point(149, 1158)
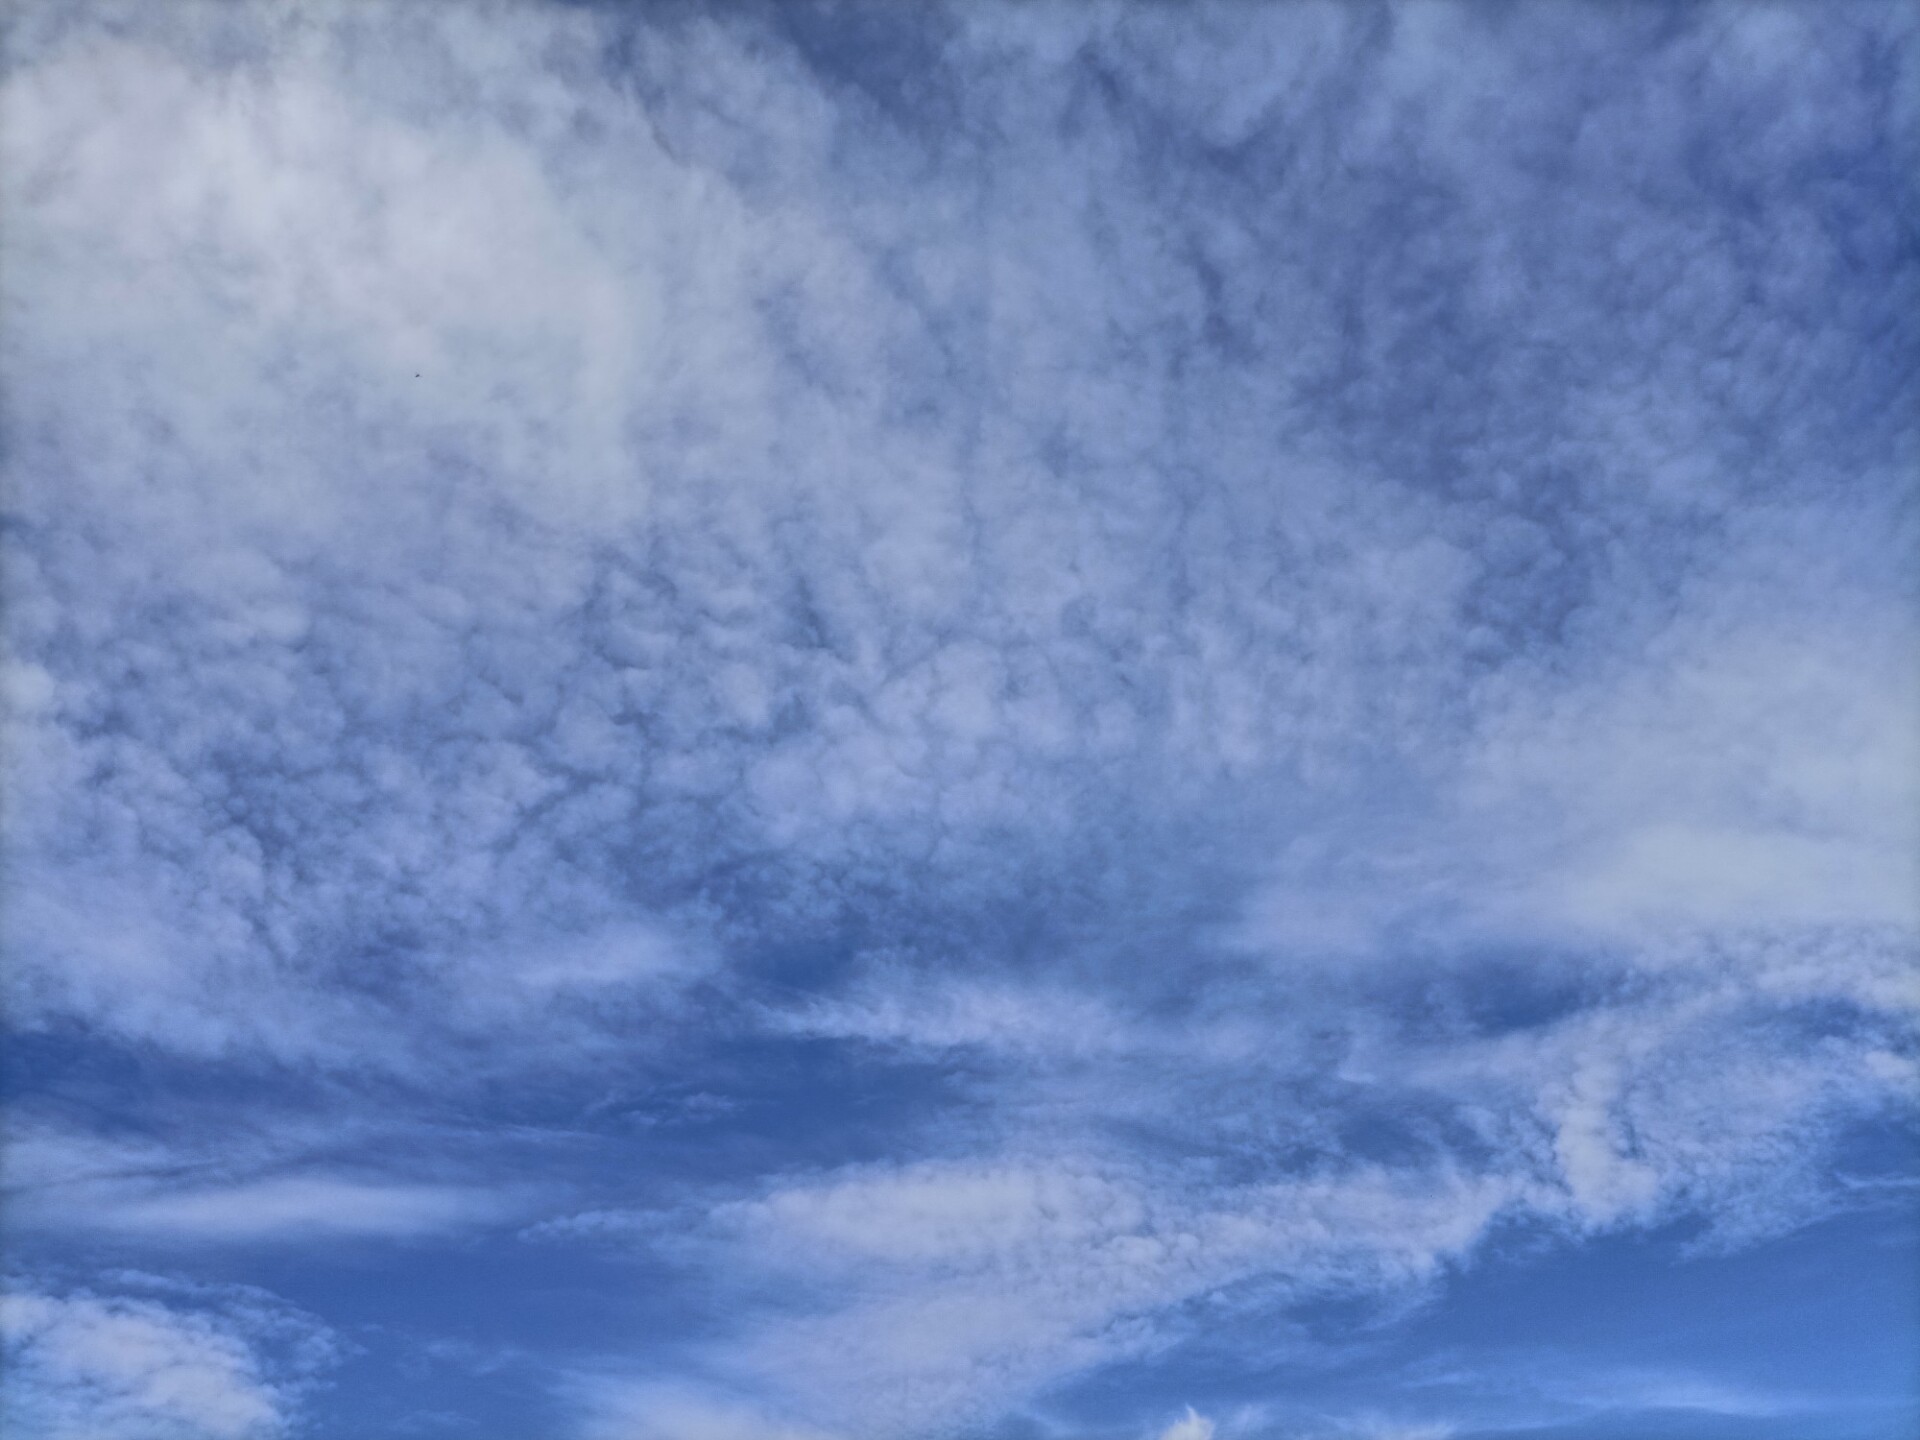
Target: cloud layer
point(1115, 671)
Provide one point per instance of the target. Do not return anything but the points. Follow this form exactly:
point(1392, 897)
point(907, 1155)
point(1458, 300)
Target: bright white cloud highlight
point(91, 1367)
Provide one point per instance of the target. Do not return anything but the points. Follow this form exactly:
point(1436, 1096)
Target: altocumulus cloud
point(969, 714)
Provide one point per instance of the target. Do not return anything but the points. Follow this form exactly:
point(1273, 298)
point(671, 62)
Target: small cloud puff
point(1190, 1426)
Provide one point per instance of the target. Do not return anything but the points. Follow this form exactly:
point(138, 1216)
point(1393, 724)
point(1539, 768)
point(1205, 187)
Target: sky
point(977, 721)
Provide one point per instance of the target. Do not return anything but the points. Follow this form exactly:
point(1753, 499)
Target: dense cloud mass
point(845, 720)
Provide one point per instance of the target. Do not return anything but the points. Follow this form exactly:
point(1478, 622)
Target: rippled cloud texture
point(862, 722)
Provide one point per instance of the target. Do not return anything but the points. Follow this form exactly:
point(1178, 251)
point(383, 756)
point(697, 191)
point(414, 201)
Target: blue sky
point(1011, 722)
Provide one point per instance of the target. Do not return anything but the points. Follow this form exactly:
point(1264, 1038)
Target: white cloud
point(1191, 1426)
point(238, 1188)
point(499, 548)
point(488, 364)
point(83, 1366)
point(307, 1208)
point(1752, 767)
point(942, 1292)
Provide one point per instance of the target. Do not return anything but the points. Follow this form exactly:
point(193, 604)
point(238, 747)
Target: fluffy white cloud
point(83, 1365)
